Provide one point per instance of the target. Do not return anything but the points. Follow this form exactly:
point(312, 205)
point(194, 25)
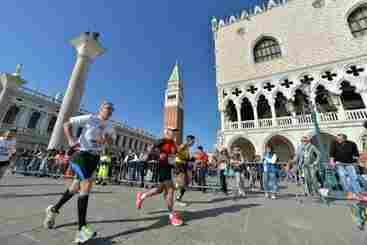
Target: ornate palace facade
point(34, 115)
point(287, 58)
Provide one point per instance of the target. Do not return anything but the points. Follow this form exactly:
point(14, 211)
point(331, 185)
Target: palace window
point(34, 120)
point(171, 97)
point(267, 49)
point(11, 115)
point(51, 124)
point(357, 21)
point(364, 143)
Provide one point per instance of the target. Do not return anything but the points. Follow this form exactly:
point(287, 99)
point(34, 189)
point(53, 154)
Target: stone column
point(239, 117)
point(43, 125)
point(222, 120)
point(23, 119)
point(9, 84)
point(340, 108)
point(273, 113)
point(88, 48)
point(364, 98)
point(256, 117)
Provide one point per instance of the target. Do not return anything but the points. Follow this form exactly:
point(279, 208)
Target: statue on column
point(18, 70)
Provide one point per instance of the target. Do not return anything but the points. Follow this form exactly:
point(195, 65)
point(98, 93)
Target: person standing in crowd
point(35, 161)
point(202, 167)
point(310, 160)
point(7, 150)
point(237, 163)
point(153, 161)
point(97, 132)
point(183, 157)
point(358, 210)
point(270, 173)
point(104, 168)
point(344, 155)
point(143, 163)
point(299, 162)
point(130, 161)
point(168, 149)
point(223, 161)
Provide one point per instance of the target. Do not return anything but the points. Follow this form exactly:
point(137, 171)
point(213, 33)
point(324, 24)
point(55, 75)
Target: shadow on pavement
point(14, 195)
point(111, 221)
point(187, 215)
point(27, 185)
point(214, 200)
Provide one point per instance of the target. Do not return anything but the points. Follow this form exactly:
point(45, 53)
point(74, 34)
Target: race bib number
point(172, 160)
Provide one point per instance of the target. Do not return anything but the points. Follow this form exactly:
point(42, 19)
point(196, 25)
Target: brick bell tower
point(173, 105)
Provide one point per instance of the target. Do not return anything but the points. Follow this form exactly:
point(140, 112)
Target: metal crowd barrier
point(138, 173)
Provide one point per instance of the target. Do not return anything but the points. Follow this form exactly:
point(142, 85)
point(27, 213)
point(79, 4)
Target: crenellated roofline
point(246, 14)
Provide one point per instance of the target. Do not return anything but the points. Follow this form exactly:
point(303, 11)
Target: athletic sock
point(82, 210)
point(182, 192)
point(64, 198)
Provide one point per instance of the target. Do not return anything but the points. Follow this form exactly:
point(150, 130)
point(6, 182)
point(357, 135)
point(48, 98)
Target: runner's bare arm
point(69, 134)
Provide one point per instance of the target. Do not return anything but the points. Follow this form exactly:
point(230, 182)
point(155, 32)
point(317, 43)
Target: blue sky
point(143, 40)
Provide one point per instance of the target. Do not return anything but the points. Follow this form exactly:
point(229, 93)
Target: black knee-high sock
point(182, 192)
point(64, 198)
point(82, 210)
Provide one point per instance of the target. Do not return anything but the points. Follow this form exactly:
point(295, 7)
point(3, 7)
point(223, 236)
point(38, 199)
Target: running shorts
point(4, 164)
point(84, 164)
point(165, 173)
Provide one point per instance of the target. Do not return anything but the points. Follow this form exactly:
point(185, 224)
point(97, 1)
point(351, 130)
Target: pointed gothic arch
point(247, 147)
point(323, 100)
point(247, 111)
point(263, 107)
point(231, 111)
point(282, 146)
point(281, 105)
point(350, 99)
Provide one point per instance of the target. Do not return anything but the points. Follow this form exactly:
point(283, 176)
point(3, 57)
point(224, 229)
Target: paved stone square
point(210, 218)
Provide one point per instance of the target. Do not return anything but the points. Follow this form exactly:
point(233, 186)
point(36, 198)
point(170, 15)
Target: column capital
point(87, 45)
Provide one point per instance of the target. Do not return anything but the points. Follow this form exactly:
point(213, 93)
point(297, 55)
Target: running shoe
point(362, 197)
point(49, 221)
point(175, 219)
point(273, 197)
point(86, 233)
point(356, 213)
point(139, 200)
point(242, 194)
point(181, 203)
point(324, 192)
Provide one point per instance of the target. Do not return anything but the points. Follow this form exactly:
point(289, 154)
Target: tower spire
point(176, 73)
point(173, 106)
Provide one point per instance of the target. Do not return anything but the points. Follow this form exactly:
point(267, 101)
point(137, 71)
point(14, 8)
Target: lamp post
point(315, 120)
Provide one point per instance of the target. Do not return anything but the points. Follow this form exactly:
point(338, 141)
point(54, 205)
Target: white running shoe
point(242, 194)
point(49, 221)
point(85, 234)
point(324, 192)
point(273, 197)
point(181, 203)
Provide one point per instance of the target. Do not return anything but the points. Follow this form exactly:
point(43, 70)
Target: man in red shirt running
point(202, 160)
point(168, 149)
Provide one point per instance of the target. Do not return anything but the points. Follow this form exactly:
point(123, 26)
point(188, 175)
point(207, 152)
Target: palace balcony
point(301, 121)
